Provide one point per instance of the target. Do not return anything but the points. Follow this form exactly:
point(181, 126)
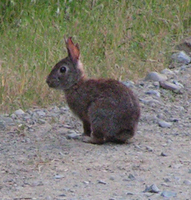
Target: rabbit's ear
point(73, 50)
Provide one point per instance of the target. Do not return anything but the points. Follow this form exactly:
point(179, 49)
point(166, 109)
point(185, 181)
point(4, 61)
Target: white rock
point(164, 124)
point(19, 112)
point(168, 194)
point(153, 189)
point(128, 83)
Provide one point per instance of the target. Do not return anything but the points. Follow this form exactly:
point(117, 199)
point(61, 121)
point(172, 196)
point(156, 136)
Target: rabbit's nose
point(48, 81)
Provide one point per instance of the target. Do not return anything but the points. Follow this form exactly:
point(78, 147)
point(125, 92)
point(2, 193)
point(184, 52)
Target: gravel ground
point(42, 155)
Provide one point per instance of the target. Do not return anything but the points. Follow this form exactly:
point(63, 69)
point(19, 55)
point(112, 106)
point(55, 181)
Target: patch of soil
point(45, 164)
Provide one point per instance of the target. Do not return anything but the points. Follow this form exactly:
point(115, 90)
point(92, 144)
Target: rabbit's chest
point(78, 103)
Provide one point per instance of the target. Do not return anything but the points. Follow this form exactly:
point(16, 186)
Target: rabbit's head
point(68, 71)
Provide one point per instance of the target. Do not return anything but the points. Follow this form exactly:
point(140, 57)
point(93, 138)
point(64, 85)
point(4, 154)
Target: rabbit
point(108, 109)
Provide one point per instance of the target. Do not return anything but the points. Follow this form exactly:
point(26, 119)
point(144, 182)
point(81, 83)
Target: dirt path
point(40, 162)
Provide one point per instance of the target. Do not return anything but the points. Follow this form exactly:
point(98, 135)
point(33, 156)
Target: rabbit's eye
point(62, 69)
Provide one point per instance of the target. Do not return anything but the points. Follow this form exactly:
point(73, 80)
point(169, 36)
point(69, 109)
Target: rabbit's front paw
point(93, 140)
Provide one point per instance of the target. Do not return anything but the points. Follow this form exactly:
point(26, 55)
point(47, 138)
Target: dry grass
point(118, 39)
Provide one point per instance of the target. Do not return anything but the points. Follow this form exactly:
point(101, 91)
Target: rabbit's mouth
point(54, 83)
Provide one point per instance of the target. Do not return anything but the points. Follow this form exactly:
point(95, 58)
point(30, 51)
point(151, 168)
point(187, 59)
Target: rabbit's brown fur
point(108, 109)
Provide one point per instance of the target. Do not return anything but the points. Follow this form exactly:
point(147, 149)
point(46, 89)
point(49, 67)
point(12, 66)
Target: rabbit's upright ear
point(73, 50)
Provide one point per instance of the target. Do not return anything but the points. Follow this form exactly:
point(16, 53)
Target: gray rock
point(128, 83)
point(150, 149)
point(153, 92)
point(19, 112)
point(168, 72)
point(72, 135)
point(48, 198)
point(150, 101)
point(130, 178)
point(181, 57)
point(129, 193)
point(156, 84)
point(13, 116)
point(163, 154)
point(170, 86)
point(2, 125)
point(178, 84)
point(5, 121)
point(164, 124)
point(152, 189)
point(168, 194)
point(184, 67)
point(58, 176)
point(56, 109)
point(62, 195)
point(185, 45)
point(101, 182)
point(187, 182)
point(41, 113)
point(37, 183)
point(155, 76)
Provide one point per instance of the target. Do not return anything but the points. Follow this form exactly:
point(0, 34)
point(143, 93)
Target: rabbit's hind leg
point(97, 134)
point(123, 136)
point(87, 128)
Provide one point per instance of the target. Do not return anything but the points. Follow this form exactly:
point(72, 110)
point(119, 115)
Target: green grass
point(119, 39)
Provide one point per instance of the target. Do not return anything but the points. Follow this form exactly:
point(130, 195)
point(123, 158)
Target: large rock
point(181, 57)
point(155, 76)
point(171, 86)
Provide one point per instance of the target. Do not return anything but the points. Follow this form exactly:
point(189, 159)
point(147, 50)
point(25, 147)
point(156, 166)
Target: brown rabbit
point(108, 109)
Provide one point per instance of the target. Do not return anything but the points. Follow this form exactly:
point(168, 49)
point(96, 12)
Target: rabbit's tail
point(123, 136)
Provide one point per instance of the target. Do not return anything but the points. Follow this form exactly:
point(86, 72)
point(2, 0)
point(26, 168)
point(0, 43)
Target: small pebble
point(41, 113)
point(131, 177)
point(164, 124)
point(58, 176)
point(167, 72)
point(128, 83)
point(149, 149)
point(112, 178)
point(101, 182)
point(163, 154)
point(187, 182)
point(153, 92)
point(37, 183)
point(152, 189)
point(168, 194)
point(62, 195)
point(129, 193)
point(72, 135)
point(2, 125)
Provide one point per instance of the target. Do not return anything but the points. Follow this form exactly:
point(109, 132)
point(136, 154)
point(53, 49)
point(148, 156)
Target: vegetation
point(120, 39)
